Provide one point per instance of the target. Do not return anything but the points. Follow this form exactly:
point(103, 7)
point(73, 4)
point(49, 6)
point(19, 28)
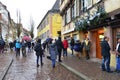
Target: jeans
point(17, 51)
point(64, 52)
point(39, 56)
point(59, 55)
point(72, 49)
point(87, 54)
point(53, 63)
point(106, 63)
point(118, 63)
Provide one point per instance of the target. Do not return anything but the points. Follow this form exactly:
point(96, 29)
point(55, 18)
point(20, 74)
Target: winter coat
point(53, 51)
point(105, 49)
point(87, 47)
point(65, 44)
point(17, 45)
point(29, 44)
point(59, 45)
point(38, 49)
point(23, 45)
point(72, 42)
point(78, 47)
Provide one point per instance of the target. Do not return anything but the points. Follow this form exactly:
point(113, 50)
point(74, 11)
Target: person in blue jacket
point(53, 52)
point(17, 46)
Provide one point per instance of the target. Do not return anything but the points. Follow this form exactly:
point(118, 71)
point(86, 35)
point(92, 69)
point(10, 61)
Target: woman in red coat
point(65, 46)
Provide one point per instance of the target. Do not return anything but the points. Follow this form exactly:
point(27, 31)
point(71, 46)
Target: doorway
point(98, 35)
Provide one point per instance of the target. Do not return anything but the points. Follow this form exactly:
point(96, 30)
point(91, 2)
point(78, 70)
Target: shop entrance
point(98, 34)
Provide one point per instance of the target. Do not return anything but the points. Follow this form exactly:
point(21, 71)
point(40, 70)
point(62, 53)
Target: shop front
point(96, 37)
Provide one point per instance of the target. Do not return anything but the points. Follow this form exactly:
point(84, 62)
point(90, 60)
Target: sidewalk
point(5, 62)
point(87, 69)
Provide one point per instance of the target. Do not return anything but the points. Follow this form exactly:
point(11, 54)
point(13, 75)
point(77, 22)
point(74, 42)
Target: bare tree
point(31, 27)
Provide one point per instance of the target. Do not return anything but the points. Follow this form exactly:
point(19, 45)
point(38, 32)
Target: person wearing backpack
point(53, 52)
point(39, 52)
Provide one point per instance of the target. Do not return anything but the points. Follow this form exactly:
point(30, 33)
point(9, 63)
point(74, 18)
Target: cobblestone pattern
point(25, 69)
point(89, 68)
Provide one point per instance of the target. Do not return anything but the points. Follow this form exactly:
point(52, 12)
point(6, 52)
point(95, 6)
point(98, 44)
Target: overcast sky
point(35, 8)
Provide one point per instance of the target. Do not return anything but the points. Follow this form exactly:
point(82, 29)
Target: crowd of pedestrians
point(57, 48)
point(23, 47)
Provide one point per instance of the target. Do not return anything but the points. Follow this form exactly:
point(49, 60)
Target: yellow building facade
point(50, 25)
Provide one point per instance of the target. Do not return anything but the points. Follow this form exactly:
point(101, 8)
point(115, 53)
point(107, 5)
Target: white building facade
point(4, 22)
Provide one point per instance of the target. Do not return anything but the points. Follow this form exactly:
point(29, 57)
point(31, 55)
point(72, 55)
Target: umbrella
point(49, 39)
point(27, 38)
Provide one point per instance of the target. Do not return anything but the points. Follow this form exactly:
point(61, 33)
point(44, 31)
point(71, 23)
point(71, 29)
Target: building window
point(82, 4)
point(63, 21)
point(61, 1)
point(88, 3)
point(72, 12)
point(77, 7)
point(75, 37)
point(98, 1)
point(68, 17)
point(48, 32)
point(65, 18)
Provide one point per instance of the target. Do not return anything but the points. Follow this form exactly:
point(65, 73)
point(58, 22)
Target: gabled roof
point(55, 9)
point(56, 6)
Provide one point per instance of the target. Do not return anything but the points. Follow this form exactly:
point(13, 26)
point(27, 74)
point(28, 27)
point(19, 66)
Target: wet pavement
point(5, 62)
point(24, 68)
point(89, 68)
point(71, 68)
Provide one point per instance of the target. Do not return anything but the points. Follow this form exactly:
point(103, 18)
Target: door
point(100, 36)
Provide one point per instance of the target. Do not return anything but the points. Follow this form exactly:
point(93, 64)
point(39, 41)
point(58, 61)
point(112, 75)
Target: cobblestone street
point(25, 69)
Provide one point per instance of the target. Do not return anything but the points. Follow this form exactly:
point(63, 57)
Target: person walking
point(33, 44)
point(118, 56)
point(53, 52)
point(24, 48)
point(65, 46)
point(78, 48)
point(87, 46)
point(29, 46)
point(105, 50)
point(59, 45)
point(44, 45)
point(2, 45)
point(17, 46)
point(72, 42)
point(11, 46)
point(39, 52)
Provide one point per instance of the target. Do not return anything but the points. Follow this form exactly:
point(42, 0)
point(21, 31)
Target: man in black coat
point(59, 45)
point(105, 49)
point(72, 42)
